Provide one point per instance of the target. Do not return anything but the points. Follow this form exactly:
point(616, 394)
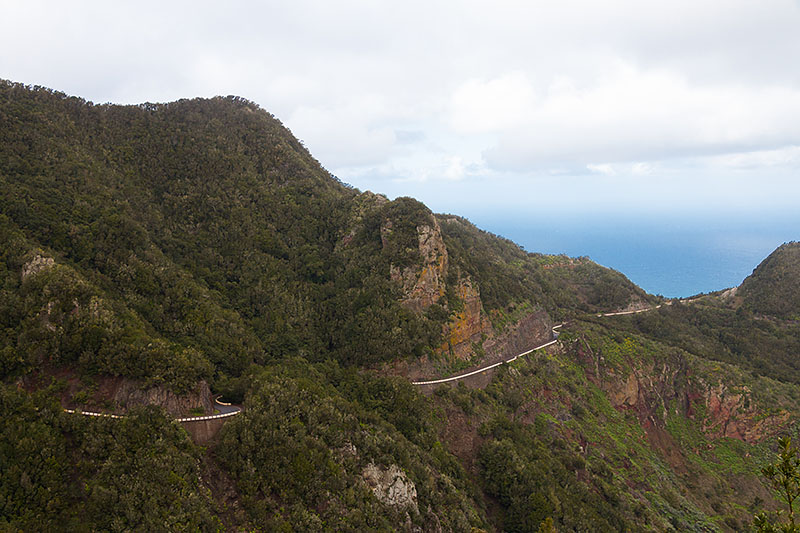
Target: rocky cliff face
point(424, 286)
point(656, 391)
point(467, 326)
point(731, 413)
point(531, 330)
point(37, 263)
point(128, 393)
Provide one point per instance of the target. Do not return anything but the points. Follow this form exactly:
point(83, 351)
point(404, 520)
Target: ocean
point(674, 256)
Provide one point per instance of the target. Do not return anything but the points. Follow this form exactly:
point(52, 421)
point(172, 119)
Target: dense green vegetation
point(209, 223)
point(774, 287)
point(507, 274)
point(309, 432)
point(199, 240)
point(764, 345)
point(63, 472)
point(203, 230)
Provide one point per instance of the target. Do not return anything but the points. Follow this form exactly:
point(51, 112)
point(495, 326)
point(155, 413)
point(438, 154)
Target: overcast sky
point(503, 105)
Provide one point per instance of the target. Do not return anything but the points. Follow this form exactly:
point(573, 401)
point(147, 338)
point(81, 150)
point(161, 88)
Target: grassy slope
point(551, 436)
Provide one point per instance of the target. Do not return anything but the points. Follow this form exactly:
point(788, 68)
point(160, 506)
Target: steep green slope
point(754, 325)
point(507, 274)
point(774, 286)
point(204, 218)
point(714, 330)
point(311, 435)
point(66, 473)
point(617, 432)
point(209, 225)
point(198, 240)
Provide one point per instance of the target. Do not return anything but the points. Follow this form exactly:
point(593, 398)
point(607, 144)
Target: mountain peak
point(774, 286)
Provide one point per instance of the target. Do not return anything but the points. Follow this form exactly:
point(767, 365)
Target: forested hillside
point(774, 287)
point(154, 255)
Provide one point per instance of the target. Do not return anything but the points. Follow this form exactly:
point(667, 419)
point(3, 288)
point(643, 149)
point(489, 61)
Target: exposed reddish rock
point(425, 284)
point(651, 390)
point(730, 413)
point(468, 326)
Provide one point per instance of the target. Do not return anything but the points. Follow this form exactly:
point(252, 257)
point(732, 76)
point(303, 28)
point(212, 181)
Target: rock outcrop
point(37, 264)
point(731, 413)
point(467, 326)
point(391, 486)
point(626, 396)
point(423, 287)
point(469, 330)
point(128, 393)
point(656, 391)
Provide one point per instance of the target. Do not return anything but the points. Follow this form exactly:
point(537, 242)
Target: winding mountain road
point(489, 367)
point(635, 311)
point(545, 345)
point(224, 410)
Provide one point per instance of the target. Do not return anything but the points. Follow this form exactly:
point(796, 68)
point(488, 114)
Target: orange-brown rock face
point(424, 286)
point(730, 414)
point(652, 391)
point(469, 325)
point(626, 395)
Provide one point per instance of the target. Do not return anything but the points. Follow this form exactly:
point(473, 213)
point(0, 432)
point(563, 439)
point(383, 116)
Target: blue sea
point(675, 256)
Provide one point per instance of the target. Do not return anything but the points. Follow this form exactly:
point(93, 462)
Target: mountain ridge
point(309, 232)
point(774, 286)
point(171, 245)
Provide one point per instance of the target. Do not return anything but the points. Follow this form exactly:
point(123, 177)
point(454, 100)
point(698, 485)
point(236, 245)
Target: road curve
point(618, 313)
point(545, 345)
point(225, 410)
point(489, 367)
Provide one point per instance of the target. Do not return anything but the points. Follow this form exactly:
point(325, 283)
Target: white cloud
point(455, 93)
point(605, 169)
point(480, 106)
point(632, 115)
point(642, 169)
point(345, 135)
point(788, 157)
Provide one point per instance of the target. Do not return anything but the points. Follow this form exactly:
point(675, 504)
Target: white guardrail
point(184, 419)
point(489, 367)
point(209, 417)
point(89, 413)
point(545, 345)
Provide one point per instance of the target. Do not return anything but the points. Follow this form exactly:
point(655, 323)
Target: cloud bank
point(473, 95)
